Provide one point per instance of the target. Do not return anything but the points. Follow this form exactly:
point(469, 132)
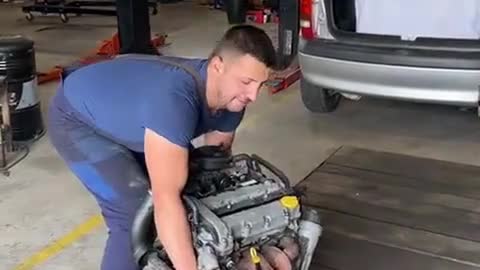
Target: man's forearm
point(220, 138)
point(174, 232)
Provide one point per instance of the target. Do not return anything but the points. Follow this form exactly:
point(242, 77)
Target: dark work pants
point(114, 175)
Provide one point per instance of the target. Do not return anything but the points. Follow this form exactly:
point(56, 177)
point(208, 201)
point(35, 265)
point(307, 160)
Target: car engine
point(237, 205)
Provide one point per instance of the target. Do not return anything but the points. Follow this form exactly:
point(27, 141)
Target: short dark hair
point(248, 39)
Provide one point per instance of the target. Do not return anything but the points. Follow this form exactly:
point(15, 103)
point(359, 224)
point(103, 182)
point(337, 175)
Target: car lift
point(133, 36)
point(288, 71)
point(63, 8)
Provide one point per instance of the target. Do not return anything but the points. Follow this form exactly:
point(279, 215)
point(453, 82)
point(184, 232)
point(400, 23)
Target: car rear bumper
point(454, 86)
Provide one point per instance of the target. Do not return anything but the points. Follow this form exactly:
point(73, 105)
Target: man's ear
point(218, 64)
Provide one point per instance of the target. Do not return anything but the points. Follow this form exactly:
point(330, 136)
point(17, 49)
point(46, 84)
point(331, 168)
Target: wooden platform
point(390, 211)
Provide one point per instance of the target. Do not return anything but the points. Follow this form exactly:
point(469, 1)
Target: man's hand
point(167, 165)
point(220, 138)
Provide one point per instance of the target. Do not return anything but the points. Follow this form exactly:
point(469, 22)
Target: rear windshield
point(409, 19)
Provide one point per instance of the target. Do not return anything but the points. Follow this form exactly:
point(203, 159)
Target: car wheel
point(318, 99)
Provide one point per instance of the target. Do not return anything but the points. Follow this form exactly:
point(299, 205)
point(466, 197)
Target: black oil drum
point(18, 69)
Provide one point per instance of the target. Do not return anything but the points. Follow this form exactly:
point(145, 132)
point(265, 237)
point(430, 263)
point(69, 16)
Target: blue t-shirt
point(121, 97)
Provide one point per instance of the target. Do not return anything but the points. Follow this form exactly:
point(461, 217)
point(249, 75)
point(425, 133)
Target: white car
point(416, 50)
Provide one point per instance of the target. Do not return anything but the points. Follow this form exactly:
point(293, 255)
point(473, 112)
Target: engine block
point(252, 225)
point(235, 203)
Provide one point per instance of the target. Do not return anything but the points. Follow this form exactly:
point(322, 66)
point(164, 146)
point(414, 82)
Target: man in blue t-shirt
point(126, 125)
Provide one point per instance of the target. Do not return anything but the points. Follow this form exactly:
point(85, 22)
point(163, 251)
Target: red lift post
point(133, 36)
point(107, 50)
point(288, 33)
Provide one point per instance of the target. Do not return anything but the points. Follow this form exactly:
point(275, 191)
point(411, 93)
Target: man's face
point(239, 82)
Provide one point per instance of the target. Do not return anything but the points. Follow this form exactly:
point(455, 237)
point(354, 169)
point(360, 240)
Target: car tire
point(318, 99)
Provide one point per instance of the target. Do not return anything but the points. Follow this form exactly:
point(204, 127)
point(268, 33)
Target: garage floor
point(41, 201)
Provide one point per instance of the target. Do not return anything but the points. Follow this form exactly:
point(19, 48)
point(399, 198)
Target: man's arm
point(220, 138)
point(224, 130)
point(167, 165)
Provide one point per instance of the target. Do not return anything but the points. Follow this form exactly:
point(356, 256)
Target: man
point(112, 120)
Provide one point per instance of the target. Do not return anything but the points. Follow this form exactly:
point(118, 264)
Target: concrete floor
point(41, 200)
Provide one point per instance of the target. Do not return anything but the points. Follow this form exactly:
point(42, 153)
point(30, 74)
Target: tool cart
point(63, 8)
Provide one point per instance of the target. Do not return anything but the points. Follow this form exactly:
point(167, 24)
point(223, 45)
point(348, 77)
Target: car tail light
point(306, 19)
